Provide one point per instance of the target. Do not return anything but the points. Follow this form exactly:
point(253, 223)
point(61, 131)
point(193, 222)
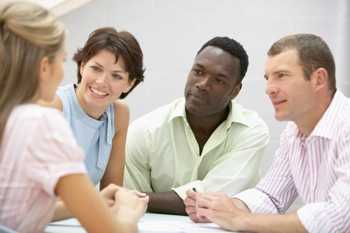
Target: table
point(149, 223)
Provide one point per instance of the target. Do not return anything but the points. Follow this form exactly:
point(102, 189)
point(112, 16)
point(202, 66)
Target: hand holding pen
point(191, 206)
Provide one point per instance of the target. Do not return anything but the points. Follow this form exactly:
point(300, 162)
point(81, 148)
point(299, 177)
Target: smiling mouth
point(98, 93)
point(277, 103)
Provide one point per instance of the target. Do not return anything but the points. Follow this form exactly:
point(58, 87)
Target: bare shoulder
point(121, 111)
point(57, 103)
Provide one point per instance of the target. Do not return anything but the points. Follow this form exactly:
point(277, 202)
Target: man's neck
point(308, 124)
point(203, 127)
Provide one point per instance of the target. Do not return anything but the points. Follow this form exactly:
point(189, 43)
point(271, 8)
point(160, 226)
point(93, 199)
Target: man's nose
point(203, 83)
point(271, 89)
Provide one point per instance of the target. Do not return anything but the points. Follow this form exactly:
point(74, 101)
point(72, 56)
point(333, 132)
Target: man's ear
point(319, 78)
point(44, 69)
point(235, 91)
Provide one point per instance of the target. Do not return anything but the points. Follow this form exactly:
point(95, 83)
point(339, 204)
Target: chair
point(4, 229)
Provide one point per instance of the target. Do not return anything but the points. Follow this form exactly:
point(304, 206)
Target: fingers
point(191, 194)
point(204, 200)
point(203, 214)
point(203, 206)
point(110, 190)
point(139, 194)
point(189, 202)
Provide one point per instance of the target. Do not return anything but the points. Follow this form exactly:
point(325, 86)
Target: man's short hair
point(232, 47)
point(313, 53)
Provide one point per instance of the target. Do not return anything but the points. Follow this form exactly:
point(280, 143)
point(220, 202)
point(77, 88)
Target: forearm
point(259, 223)
point(166, 202)
point(116, 179)
point(61, 212)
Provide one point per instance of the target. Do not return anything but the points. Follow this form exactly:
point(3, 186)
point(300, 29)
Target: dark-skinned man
point(205, 141)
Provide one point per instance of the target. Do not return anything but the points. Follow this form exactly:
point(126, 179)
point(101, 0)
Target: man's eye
point(219, 81)
point(281, 75)
point(197, 72)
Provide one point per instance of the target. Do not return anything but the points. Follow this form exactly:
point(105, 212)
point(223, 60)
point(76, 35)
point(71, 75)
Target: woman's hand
point(108, 194)
point(129, 205)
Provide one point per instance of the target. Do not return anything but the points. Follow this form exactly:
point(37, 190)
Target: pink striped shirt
point(37, 149)
point(316, 168)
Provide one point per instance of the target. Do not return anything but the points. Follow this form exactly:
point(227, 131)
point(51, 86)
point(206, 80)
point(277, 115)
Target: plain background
point(171, 31)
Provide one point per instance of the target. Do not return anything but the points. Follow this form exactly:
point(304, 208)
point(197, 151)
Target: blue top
point(94, 136)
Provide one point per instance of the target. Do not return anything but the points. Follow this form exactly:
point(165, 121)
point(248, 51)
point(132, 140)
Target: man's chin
point(280, 117)
point(195, 111)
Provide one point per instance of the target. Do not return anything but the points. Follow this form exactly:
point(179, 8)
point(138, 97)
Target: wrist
point(245, 222)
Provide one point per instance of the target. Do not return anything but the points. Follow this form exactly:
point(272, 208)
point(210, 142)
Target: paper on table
point(150, 223)
point(183, 225)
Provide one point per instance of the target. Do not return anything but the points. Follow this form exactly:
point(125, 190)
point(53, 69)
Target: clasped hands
point(218, 208)
point(125, 203)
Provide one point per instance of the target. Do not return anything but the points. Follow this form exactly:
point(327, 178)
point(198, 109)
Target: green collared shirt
point(163, 154)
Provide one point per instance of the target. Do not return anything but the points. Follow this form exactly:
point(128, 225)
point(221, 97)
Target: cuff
point(257, 202)
point(313, 217)
point(181, 190)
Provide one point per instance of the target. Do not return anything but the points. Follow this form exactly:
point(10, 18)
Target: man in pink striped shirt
point(313, 160)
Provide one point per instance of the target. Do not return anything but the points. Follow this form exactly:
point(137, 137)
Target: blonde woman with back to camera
point(39, 157)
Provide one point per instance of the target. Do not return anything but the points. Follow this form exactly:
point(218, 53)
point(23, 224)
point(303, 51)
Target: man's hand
point(190, 207)
point(222, 210)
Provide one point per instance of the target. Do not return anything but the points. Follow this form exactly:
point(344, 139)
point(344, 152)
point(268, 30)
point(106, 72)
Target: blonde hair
point(28, 33)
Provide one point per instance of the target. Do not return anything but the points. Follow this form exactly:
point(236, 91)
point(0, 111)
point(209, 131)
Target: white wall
point(171, 31)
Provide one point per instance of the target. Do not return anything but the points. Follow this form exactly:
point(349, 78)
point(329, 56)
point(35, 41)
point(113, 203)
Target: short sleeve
point(52, 151)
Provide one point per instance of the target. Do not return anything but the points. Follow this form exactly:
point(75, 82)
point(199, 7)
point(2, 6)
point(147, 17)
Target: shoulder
point(63, 96)
point(35, 111)
point(120, 107)
point(46, 117)
point(121, 113)
point(335, 120)
point(249, 117)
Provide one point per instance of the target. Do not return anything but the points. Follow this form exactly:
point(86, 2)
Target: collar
point(235, 115)
point(325, 127)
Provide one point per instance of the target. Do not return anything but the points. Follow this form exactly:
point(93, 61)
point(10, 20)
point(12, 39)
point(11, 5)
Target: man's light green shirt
point(163, 154)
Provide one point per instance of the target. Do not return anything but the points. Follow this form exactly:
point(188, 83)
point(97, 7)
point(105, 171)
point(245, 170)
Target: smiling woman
point(40, 160)
point(109, 66)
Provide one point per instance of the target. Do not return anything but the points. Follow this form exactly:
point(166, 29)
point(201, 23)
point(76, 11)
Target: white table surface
point(149, 223)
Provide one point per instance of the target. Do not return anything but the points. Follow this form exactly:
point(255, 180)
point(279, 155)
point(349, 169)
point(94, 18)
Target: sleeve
point(53, 152)
point(137, 170)
point(235, 170)
point(276, 191)
point(333, 214)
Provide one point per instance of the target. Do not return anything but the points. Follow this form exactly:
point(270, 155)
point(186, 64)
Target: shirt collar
point(325, 127)
point(235, 115)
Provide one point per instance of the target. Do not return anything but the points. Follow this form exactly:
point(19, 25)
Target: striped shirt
point(316, 168)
